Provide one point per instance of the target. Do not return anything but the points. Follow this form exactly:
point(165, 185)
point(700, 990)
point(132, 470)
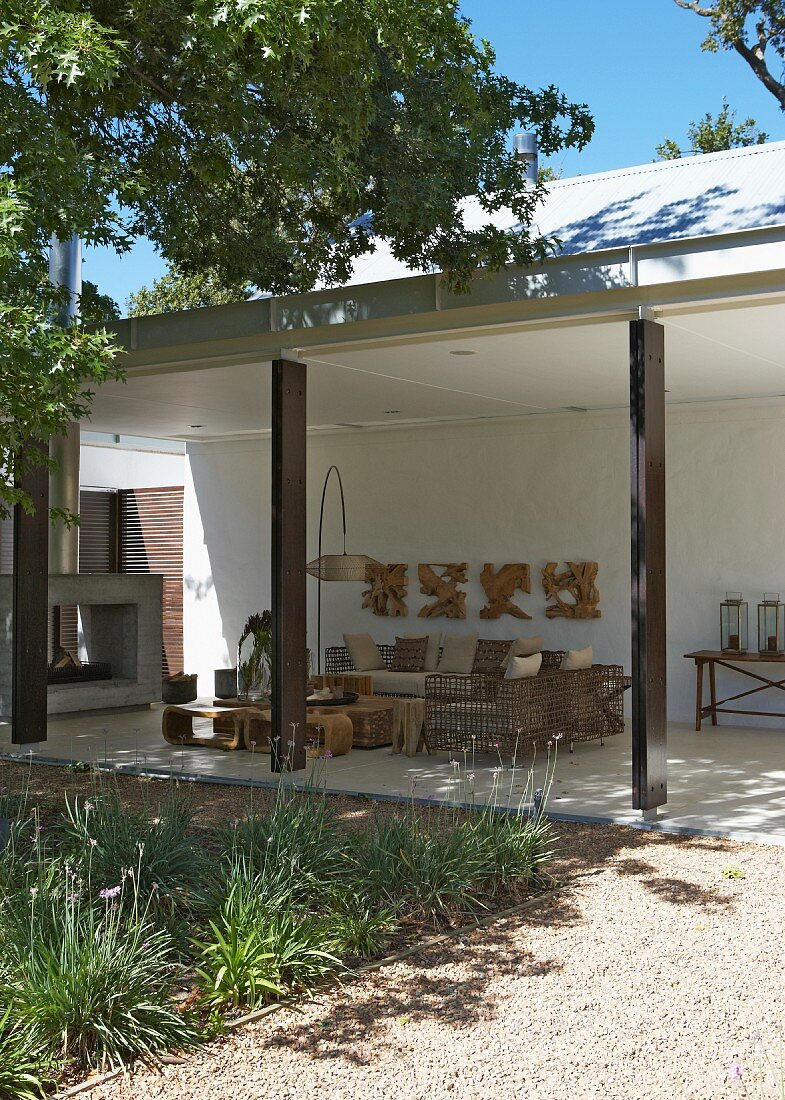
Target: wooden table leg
point(713, 693)
point(699, 695)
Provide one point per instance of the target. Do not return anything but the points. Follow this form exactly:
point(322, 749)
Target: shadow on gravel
point(453, 982)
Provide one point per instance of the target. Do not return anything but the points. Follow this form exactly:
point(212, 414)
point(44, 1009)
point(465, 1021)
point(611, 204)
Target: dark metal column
point(288, 566)
point(647, 437)
point(29, 616)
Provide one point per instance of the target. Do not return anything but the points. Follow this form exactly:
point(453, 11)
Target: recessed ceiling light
point(196, 425)
point(391, 412)
point(462, 351)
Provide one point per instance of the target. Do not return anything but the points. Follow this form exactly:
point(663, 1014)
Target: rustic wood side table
point(409, 726)
point(710, 658)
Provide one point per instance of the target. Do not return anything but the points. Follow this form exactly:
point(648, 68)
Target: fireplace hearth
point(78, 673)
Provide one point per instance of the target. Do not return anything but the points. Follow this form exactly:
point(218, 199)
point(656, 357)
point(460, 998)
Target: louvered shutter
point(97, 531)
point(151, 541)
point(7, 545)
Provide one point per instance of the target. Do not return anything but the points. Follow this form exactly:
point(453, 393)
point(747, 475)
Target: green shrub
point(91, 982)
point(513, 848)
point(418, 870)
point(236, 968)
point(106, 839)
point(260, 946)
point(359, 929)
point(297, 851)
point(23, 1071)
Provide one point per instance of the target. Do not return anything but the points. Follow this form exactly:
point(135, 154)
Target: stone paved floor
point(726, 779)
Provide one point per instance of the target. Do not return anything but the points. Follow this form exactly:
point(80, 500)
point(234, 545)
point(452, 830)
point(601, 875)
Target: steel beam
point(647, 482)
point(288, 566)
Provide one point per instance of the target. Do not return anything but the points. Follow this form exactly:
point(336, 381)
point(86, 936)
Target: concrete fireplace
point(120, 617)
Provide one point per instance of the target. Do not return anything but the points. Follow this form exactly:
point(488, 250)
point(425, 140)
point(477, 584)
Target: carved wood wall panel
point(578, 582)
point(387, 592)
point(499, 587)
point(441, 581)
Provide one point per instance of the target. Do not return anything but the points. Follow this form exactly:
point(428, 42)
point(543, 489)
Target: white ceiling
point(711, 355)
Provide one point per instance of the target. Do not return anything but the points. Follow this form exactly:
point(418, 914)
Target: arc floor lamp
point(334, 567)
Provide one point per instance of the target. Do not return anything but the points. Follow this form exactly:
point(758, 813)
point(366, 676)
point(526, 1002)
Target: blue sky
point(637, 63)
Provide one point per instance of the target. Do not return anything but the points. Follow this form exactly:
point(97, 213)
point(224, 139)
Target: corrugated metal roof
point(666, 200)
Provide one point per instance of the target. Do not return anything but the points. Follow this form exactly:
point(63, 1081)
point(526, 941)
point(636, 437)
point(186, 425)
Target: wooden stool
point(334, 733)
point(330, 731)
point(409, 726)
point(177, 726)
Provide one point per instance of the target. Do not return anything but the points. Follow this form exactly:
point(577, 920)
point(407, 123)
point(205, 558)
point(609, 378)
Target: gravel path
point(651, 977)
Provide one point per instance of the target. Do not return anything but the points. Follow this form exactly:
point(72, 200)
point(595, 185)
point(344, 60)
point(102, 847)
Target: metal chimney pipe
point(526, 150)
point(65, 269)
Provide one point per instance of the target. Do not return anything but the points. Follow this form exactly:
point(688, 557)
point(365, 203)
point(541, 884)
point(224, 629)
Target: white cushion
point(521, 668)
point(432, 652)
point(458, 653)
point(577, 658)
point(524, 647)
point(364, 652)
point(399, 683)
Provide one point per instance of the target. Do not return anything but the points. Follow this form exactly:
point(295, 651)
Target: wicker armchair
point(489, 714)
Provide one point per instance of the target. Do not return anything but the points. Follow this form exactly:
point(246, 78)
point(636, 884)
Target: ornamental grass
point(126, 935)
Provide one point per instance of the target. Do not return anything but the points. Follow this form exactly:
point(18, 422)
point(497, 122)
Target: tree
point(754, 30)
point(267, 141)
point(176, 290)
point(710, 135)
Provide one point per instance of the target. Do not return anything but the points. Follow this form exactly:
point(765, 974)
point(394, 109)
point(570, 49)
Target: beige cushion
point(577, 658)
point(458, 653)
point(432, 652)
point(409, 655)
point(521, 668)
point(364, 652)
point(399, 683)
point(524, 647)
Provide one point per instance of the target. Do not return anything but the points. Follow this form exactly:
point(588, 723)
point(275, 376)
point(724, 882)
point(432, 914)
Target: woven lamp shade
point(340, 567)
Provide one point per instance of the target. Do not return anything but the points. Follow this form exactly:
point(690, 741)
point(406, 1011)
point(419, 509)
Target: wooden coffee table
point(371, 718)
point(177, 725)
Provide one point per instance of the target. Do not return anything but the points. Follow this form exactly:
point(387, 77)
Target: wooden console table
point(712, 658)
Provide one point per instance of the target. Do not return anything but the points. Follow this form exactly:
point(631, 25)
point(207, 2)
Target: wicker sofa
point(402, 684)
point(483, 712)
point(490, 714)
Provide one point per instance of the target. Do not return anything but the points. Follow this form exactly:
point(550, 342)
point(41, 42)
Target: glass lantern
point(734, 621)
point(771, 625)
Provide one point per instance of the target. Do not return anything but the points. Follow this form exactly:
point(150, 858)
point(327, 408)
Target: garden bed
point(138, 918)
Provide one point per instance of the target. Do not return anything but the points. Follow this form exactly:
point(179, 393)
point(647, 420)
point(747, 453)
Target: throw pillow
point(432, 652)
point(409, 655)
point(524, 647)
point(364, 652)
point(458, 653)
point(522, 668)
point(577, 658)
point(490, 657)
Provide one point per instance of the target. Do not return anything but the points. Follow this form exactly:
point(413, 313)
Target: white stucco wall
point(533, 489)
point(125, 468)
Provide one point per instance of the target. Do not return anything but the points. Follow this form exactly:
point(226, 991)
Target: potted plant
point(254, 657)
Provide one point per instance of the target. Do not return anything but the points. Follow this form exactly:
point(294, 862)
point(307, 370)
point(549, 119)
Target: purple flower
point(470, 776)
point(109, 892)
point(734, 1071)
point(328, 755)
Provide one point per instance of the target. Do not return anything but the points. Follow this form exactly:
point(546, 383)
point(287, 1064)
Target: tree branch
point(758, 65)
point(693, 5)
